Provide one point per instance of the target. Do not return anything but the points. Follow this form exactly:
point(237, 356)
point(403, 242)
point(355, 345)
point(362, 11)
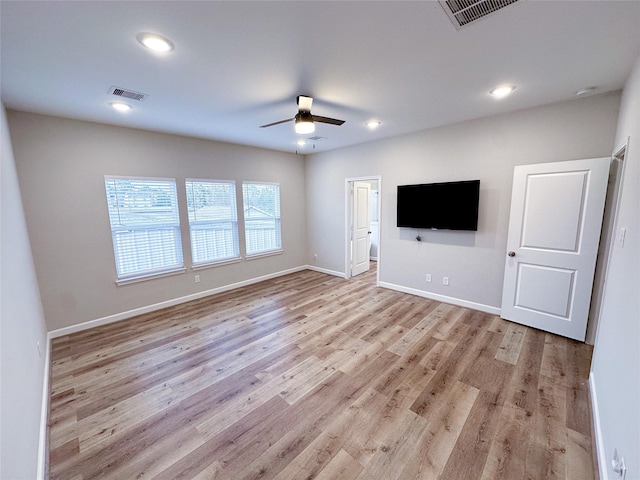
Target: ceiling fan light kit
point(304, 121)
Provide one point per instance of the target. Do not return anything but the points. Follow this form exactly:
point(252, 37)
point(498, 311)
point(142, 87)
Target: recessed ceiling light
point(155, 42)
point(502, 91)
point(585, 90)
point(373, 124)
point(301, 142)
point(121, 107)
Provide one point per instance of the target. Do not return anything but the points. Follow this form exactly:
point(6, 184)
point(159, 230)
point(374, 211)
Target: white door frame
point(602, 266)
point(348, 208)
point(361, 234)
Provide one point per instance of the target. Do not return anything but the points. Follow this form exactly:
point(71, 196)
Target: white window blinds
point(144, 225)
point(213, 221)
point(261, 217)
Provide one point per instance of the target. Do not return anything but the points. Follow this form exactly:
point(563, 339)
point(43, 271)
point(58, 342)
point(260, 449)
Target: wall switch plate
point(621, 234)
point(428, 277)
point(196, 279)
point(445, 280)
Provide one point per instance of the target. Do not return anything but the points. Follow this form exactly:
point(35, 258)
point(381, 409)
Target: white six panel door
point(554, 232)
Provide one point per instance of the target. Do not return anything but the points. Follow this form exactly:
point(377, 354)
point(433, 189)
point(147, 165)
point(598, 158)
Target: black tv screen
point(447, 206)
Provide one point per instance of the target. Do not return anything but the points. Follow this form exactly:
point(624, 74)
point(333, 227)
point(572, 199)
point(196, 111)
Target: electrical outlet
point(39, 351)
point(428, 277)
point(445, 280)
point(618, 466)
point(196, 279)
point(315, 256)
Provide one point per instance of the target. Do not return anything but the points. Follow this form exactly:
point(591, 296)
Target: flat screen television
point(447, 206)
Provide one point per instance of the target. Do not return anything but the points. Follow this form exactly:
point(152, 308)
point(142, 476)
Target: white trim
point(442, 298)
point(149, 276)
point(217, 263)
point(168, 303)
point(348, 201)
point(324, 270)
point(44, 415)
point(266, 253)
point(595, 411)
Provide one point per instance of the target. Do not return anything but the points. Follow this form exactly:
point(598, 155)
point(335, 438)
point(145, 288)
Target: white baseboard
point(168, 303)
point(600, 452)
point(443, 298)
point(44, 415)
point(324, 270)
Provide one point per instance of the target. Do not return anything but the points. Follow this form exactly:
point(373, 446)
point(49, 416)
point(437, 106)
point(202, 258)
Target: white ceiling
point(239, 64)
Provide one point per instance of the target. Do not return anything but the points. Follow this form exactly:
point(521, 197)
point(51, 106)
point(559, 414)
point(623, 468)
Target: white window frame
point(169, 229)
point(248, 220)
point(195, 225)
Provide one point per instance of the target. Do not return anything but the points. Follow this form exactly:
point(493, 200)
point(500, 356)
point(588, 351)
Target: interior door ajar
point(554, 231)
point(360, 229)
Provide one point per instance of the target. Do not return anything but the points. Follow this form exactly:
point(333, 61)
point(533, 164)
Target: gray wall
point(487, 149)
point(61, 166)
point(22, 326)
point(615, 377)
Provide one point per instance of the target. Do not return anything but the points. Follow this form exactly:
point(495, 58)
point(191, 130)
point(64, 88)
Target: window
point(144, 226)
point(262, 217)
point(213, 221)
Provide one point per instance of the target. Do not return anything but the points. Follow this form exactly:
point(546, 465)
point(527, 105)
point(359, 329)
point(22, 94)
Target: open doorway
point(362, 229)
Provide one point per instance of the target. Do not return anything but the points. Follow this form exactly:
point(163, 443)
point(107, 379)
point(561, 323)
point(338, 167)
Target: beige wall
point(61, 166)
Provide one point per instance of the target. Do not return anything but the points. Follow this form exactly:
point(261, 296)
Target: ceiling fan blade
point(304, 103)
point(332, 121)
point(276, 123)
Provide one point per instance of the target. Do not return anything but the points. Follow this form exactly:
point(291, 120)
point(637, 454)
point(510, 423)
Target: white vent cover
point(464, 12)
point(121, 92)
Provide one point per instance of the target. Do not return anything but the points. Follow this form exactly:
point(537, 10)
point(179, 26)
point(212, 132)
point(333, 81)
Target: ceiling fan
point(303, 119)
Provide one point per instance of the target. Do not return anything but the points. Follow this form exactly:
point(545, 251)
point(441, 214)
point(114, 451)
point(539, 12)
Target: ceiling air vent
point(464, 12)
point(121, 92)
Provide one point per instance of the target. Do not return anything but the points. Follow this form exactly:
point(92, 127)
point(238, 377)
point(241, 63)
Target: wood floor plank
point(509, 350)
point(313, 376)
point(434, 448)
point(342, 466)
point(460, 358)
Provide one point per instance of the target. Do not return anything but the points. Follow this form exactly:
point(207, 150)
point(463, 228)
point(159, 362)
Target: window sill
point(202, 266)
point(144, 278)
point(270, 253)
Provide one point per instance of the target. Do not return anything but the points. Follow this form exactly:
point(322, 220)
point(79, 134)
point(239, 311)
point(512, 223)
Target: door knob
point(512, 253)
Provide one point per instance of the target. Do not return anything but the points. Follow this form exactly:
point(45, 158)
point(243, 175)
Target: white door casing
point(552, 244)
point(360, 229)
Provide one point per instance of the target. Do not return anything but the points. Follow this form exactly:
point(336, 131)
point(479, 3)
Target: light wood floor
point(312, 376)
